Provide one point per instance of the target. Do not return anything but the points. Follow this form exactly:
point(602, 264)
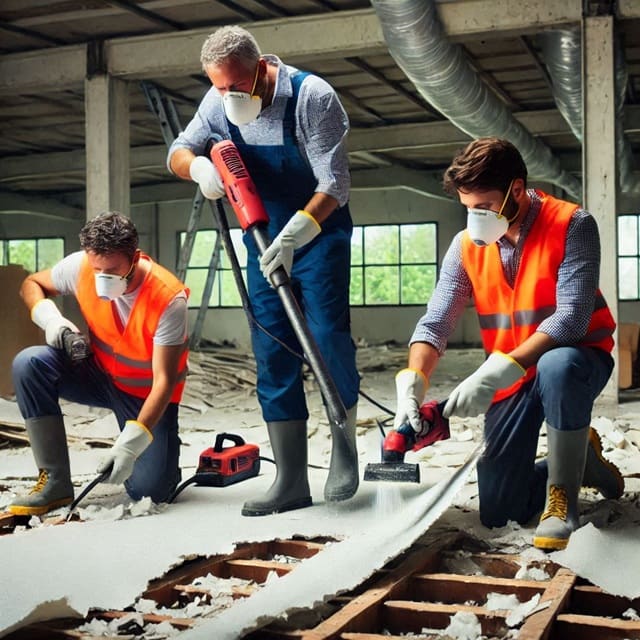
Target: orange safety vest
point(126, 353)
point(508, 316)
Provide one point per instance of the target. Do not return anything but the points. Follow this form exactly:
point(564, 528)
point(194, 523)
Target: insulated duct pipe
point(562, 53)
point(441, 74)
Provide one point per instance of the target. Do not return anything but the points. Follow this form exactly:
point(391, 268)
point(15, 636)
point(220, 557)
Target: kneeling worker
point(531, 262)
point(136, 312)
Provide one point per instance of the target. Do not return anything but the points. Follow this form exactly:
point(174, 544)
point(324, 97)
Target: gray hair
point(230, 42)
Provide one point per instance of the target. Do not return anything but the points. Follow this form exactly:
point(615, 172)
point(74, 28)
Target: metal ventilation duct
point(442, 75)
point(562, 53)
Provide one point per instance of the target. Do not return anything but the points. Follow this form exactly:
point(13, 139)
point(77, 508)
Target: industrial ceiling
point(48, 47)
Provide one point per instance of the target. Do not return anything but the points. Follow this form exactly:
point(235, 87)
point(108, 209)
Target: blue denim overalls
point(320, 278)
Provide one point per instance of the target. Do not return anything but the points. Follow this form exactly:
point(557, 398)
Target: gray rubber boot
point(53, 488)
point(290, 489)
point(599, 473)
point(566, 462)
point(343, 479)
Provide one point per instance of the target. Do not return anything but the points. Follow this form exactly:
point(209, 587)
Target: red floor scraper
point(397, 442)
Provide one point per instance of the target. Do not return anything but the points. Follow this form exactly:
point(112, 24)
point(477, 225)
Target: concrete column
point(107, 144)
point(600, 179)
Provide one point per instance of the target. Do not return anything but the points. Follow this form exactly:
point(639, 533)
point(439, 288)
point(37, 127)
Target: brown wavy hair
point(108, 233)
point(484, 165)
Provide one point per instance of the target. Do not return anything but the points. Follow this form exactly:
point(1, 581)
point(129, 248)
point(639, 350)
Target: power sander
point(397, 442)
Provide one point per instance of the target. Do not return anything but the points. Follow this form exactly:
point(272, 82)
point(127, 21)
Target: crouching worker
point(531, 263)
point(136, 312)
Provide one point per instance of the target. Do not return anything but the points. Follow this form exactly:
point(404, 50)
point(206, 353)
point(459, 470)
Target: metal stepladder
point(163, 108)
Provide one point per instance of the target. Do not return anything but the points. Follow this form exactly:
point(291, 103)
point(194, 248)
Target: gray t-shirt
point(172, 327)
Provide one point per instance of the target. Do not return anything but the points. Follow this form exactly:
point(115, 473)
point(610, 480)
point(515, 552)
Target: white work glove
point(131, 442)
point(48, 317)
point(474, 394)
point(411, 385)
point(301, 229)
point(206, 175)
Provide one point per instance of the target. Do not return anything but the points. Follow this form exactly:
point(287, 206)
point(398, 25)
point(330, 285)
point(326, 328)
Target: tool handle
point(100, 478)
point(407, 431)
point(221, 437)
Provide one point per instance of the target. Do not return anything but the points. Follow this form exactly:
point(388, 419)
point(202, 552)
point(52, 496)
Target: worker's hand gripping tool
point(398, 441)
point(434, 427)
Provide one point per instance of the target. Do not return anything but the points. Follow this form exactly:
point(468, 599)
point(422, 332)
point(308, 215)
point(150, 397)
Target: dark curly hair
point(483, 165)
point(108, 233)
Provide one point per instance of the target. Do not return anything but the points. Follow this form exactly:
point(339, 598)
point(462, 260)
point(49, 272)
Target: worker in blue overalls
point(290, 130)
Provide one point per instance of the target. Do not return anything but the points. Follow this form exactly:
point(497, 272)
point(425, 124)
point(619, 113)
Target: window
point(224, 292)
point(394, 264)
point(33, 254)
point(628, 257)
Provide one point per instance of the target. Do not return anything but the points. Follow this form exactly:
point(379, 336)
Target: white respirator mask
point(485, 226)
point(110, 286)
point(241, 107)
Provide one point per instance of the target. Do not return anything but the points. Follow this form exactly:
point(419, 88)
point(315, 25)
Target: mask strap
point(506, 197)
point(129, 275)
point(255, 79)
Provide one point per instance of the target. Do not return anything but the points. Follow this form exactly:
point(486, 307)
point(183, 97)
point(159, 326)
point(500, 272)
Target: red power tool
point(219, 466)
point(397, 442)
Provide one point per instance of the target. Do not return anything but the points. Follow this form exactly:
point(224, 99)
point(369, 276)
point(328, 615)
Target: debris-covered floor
point(110, 560)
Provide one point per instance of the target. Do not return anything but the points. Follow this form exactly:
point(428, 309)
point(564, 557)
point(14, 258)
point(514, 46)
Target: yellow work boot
point(565, 462)
point(556, 524)
point(53, 488)
point(46, 495)
point(600, 473)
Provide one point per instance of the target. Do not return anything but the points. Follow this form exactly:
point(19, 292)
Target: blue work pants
point(42, 375)
point(511, 485)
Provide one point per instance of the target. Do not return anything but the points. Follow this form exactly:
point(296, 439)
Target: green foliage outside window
point(34, 254)
point(224, 292)
point(390, 265)
point(393, 264)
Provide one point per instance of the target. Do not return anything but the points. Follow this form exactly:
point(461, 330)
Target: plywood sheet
point(18, 331)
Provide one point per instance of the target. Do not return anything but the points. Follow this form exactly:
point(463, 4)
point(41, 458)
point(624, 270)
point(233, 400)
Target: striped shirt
point(575, 289)
point(321, 128)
